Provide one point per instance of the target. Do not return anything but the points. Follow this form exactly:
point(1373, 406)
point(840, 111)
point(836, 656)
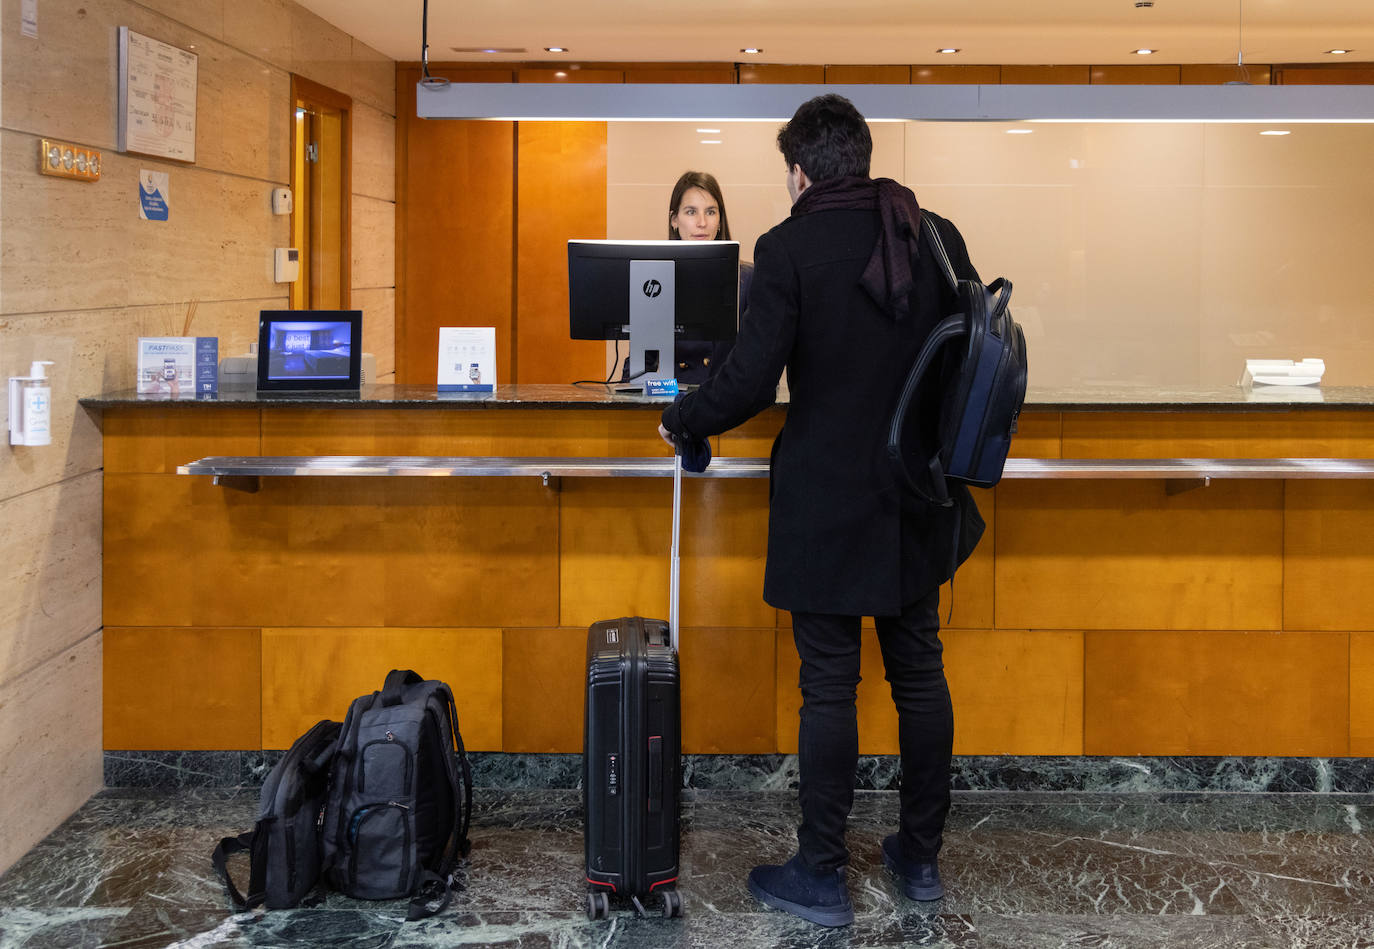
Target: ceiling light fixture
point(1338, 52)
point(1019, 131)
point(708, 131)
point(1144, 52)
point(555, 49)
point(1274, 132)
point(752, 50)
point(947, 50)
point(709, 106)
point(710, 141)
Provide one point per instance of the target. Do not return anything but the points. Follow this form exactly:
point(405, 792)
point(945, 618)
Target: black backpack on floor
point(284, 844)
point(400, 796)
point(974, 364)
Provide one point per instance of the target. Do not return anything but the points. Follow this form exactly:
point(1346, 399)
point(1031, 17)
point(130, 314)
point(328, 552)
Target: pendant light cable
point(425, 78)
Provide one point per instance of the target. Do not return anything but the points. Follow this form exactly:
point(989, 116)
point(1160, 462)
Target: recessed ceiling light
point(708, 131)
point(1338, 52)
point(710, 141)
point(751, 50)
point(947, 49)
point(1019, 131)
point(1274, 132)
point(1144, 52)
point(555, 49)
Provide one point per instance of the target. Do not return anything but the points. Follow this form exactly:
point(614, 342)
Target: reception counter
point(1102, 614)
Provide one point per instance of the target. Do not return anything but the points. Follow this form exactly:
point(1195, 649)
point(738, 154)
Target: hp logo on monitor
point(652, 288)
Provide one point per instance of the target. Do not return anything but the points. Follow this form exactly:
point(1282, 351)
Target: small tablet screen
point(304, 350)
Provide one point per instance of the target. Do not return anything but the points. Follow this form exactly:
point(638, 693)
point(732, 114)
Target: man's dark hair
point(829, 139)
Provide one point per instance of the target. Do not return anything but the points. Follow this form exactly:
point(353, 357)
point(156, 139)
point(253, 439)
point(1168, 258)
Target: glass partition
point(1150, 253)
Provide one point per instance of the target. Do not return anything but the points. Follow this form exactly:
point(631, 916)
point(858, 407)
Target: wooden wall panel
point(614, 551)
point(543, 689)
point(1038, 435)
point(753, 439)
point(1208, 74)
point(1016, 692)
point(959, 74)
point(971, 590)
point(1328, 555)
point(468, 552)
point(600, 432)
point(1184, 692)
point(769, 72)
point(1133, 75)
point(154, 440)
point(706, 72)
point(321, 544)
point(181, 689)
point(309, 674)
point(1126, 555)
point(1334, 434)
point(1046, 75)
point(1352, 74)
point(893, 75)
point(568, 73)
point(728, 692)
point(455, 228)
point(561, 182)
point(149, 571)
point(1362, 694)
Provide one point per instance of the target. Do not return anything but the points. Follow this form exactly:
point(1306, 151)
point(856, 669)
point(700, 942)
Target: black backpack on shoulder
point(974, 364)
point(284, 844)
point(400, 798)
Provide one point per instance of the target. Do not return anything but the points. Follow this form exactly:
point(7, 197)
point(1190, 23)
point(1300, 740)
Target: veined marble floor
point(1024, 870)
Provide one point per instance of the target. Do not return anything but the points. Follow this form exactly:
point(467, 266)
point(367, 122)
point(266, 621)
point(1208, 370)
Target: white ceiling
point(1096, 32)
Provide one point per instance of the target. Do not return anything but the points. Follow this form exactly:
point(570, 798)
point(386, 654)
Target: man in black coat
point(844, 294)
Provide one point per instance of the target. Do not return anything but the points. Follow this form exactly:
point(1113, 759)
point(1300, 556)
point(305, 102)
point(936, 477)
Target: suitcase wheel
point(598, 905)
point(672, 904)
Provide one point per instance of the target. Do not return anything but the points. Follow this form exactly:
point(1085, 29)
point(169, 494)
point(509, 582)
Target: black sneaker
point(817, 896)
point(920, 878)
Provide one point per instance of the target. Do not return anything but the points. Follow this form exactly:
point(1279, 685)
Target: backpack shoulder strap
point(243, 843)
point(947, 329)
point(941, 255)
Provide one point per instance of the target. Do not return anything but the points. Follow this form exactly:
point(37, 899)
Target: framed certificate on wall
point(157, 98)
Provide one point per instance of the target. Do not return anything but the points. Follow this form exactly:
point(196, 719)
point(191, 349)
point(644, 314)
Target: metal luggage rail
point(243, 472)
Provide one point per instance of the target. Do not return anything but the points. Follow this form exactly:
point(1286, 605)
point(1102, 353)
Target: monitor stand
point(652, 310)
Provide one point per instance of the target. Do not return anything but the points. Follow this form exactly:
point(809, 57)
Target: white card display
point(467, 359)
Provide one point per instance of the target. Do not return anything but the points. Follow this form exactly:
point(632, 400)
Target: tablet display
point(309, 350)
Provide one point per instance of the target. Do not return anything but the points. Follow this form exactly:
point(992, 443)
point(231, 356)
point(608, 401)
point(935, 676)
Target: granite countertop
point(1072, 398)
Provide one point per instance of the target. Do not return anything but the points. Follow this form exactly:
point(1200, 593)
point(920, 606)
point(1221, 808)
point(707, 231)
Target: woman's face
point(697, 217)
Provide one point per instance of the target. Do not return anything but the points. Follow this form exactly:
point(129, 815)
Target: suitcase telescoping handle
point(673, 562)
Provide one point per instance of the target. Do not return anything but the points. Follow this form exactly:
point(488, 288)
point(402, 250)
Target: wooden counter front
point(1097, 617)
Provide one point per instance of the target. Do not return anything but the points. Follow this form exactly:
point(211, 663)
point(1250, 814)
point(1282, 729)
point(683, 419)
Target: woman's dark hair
point(829, 139)
point(707, 183)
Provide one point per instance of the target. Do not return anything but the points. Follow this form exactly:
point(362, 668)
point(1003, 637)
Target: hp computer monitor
point(653, 293)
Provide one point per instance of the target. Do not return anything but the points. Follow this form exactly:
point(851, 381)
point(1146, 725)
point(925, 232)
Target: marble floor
point(131, 869)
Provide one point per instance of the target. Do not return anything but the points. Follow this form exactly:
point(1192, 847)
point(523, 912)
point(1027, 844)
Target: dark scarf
point(887, 278)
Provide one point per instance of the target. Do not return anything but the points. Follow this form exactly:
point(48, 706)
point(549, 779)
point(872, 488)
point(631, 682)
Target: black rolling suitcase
point(631, 747)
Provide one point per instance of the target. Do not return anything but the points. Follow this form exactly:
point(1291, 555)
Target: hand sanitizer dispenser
point(31, 406)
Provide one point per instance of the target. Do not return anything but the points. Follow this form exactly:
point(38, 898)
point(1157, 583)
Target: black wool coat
point(843, 536)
